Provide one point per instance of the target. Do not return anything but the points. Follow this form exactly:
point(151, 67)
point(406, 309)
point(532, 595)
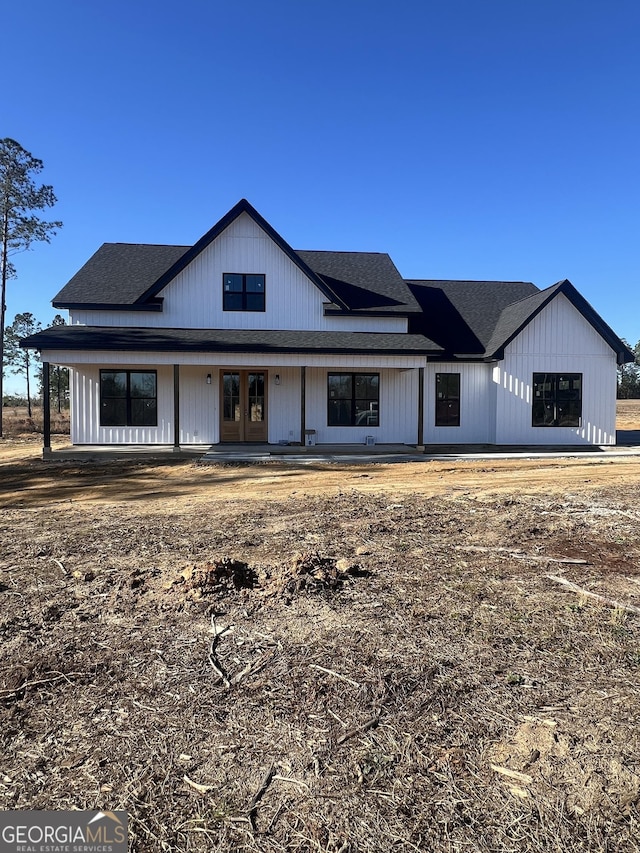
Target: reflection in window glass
point(353, 399)
point(128, 398)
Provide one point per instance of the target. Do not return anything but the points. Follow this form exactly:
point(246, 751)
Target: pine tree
point(18, 359)
point(19, 226)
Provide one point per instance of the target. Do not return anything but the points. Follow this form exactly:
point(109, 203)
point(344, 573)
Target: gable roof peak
point(243, 206)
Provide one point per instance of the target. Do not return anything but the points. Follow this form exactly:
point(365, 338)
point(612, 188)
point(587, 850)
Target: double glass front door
point(243, 405)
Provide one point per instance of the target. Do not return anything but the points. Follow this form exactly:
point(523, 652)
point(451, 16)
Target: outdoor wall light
point(208, 379)
point(277, 379)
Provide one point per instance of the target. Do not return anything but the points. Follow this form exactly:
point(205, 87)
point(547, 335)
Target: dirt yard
point(325, 658)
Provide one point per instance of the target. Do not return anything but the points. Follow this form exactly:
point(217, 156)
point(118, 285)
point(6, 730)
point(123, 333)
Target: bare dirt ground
point(327, 658)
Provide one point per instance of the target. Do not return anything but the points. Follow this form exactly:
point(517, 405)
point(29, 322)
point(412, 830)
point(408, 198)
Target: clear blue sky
point(481, 139)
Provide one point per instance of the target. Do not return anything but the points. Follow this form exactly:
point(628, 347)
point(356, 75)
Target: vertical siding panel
point(558, 340)
point(398, 407)
point(475, 408)
point(283, 404)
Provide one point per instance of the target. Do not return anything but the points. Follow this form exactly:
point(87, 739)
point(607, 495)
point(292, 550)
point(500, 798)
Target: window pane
point(447, 386)
point(231, 409)
point(232, 302)
point(142, 384)
point(366, 386)
point(339, 413)
point(340, 385)
point(543, 386)
point(233, 283)
point(113, 412)
point(255, 390)
point(231, 396)
point(231, 384)
point(557, 399)
point(256, 384)
point(255, 284)
point(255, 301)
point(447, 413)
point(143, 413)
point(128, 398)
point(113, 384)
point(447, 399)
point(366, 413)
point(543, 413)
point(569, 413)
point(569, 387)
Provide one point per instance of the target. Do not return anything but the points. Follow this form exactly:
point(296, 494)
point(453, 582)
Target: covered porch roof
point(144, 339)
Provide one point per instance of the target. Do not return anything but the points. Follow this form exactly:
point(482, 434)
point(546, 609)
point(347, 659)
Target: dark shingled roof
point(516, 316)
point(480, 318)
point(366, 281)
point(227, 340)
point(117, 274)
point(456, 319)
point(131, 275)
point(462, 315)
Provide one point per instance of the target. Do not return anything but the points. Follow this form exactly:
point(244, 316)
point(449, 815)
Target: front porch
point(228, 452)
point(148, 405)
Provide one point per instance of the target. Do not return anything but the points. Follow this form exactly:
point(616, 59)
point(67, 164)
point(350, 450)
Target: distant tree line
point(629, 377)
point(20, 362)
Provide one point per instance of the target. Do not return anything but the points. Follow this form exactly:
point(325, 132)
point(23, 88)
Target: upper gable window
point(243, 292)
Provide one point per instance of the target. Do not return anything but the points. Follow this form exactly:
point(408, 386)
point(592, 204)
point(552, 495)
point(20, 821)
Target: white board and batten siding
point(193, 300)
point(558, 340)
point(476, 402)
point(85, 412)
point(200, 404)
point(398, 409)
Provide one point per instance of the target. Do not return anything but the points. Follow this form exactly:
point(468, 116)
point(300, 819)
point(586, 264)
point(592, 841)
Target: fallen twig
point(335, 674)
point(370, 724)
point(521, 555)
point(259, 794)
point(602, 598)
point(201, 789)
point(5, 694)
point(512, 774)
point(62, 568)
point(213, 658)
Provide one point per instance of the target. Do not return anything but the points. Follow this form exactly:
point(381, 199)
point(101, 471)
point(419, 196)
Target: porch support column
point(176, 408)
point(46, 411)
point(303, 405)
point(420, 406)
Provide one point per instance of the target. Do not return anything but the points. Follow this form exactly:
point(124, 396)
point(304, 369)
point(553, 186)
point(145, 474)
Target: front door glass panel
point(255, 391)
point(231, 397)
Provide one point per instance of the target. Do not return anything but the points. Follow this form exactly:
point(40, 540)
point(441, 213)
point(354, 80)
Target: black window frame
point(554, 406)
point(447, 400)
point(356, 419)
point(129, 419)
point(246, 296)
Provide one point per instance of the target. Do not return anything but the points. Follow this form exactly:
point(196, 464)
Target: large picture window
point(243, 292)
point(448, 399)
point(557, 399)
point(353, 399)
point(128, 398)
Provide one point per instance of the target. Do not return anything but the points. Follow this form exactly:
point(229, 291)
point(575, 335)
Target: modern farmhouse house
point(241, 338)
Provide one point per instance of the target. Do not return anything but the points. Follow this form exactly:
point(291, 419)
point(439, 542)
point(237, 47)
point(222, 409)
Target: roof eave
point(155, 304)
point(369, 312)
